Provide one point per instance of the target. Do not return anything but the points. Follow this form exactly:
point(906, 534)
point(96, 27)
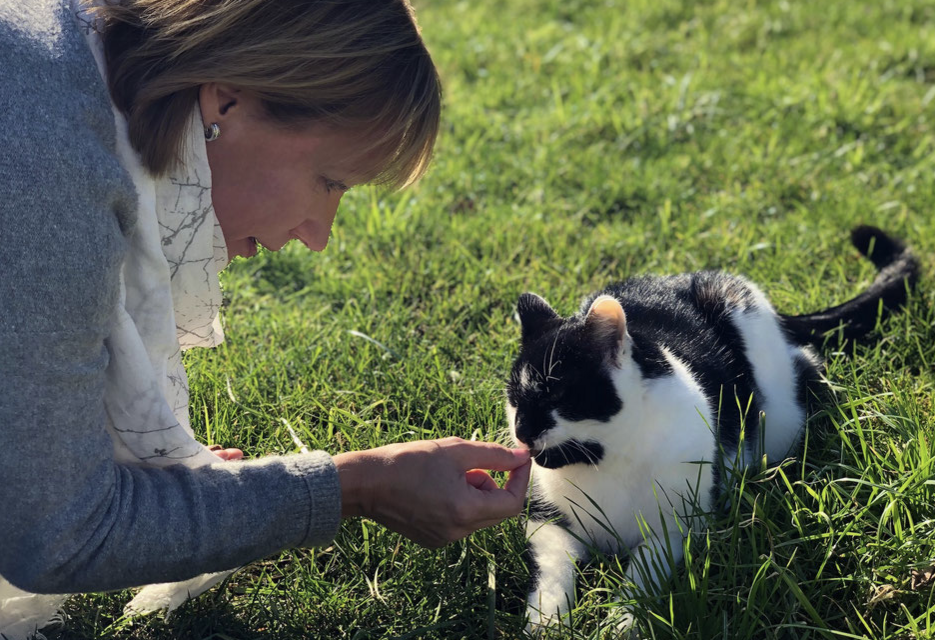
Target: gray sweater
point(71, 519)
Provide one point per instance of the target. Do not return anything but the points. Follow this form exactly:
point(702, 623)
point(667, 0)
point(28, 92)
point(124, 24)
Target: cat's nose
point(523, 436)
point(527, 440)
point(530, 428)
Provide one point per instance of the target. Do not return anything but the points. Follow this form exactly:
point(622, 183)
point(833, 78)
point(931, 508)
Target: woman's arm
point(70, 518)
point(73, 520)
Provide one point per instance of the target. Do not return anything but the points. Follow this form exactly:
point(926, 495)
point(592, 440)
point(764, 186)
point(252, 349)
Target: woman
point(145, 144)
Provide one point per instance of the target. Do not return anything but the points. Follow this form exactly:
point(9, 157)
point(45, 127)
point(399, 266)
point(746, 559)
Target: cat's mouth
point(569, 452)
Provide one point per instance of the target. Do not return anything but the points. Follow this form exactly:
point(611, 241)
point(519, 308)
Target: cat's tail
point(898, 271)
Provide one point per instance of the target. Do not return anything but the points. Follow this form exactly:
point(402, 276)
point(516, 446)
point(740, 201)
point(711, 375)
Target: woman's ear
point(218, 102)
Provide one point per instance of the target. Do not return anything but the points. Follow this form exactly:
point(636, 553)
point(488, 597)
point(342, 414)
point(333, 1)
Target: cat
point(644, 402)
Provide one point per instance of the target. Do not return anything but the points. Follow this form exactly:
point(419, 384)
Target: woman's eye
point(335, 185)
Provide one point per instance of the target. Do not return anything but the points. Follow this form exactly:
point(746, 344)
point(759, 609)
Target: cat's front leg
point(553, 551)
point(651, 565)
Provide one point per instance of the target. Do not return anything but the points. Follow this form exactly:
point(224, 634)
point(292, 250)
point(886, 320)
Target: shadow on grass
point(204, 618)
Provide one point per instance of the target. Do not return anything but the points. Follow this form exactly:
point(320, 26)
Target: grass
point(584, 142)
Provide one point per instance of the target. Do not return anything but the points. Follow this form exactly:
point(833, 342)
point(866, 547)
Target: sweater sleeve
point(71, 519)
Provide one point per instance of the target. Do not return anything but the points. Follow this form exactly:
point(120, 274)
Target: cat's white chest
point(657, 462)
point(600, 503)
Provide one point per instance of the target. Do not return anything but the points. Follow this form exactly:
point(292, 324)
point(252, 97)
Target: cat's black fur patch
point(570, 452)
point(541, 511)
point(688, 314)
point(856, 318)
point(530, 561)
point(563, 372)
point(532, 420)
point(538, 510)
point(808, 382)
point(650, 360)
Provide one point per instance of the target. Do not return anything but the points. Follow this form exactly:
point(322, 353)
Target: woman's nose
point(315, 232)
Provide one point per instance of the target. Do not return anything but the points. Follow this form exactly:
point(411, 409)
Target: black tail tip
point(881, 248)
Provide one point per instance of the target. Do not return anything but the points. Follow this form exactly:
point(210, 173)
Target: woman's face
point(272, 184)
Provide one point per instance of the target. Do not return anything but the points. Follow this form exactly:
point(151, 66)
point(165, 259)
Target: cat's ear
point(534, 313)
point(607, 323)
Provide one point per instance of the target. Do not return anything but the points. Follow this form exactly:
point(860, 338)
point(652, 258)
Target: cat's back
point(696, 297)
point(723, 328)
point(689, 315)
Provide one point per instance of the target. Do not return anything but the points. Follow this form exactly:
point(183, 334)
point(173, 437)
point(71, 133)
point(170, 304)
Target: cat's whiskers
point(591, 461)
point(552, 362)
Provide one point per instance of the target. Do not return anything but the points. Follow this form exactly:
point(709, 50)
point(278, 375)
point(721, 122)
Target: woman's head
point(273, 182)
point(356, 70)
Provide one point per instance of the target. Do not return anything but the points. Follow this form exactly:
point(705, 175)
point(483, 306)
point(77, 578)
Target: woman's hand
point(225, 454)
point(433, 491)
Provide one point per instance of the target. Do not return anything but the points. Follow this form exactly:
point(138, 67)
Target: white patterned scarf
point(169, 301)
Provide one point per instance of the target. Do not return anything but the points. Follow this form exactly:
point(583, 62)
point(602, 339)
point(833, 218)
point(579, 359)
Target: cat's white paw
point(537, 624)
point(624, 626)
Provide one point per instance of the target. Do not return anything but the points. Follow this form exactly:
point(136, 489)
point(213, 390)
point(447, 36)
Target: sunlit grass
point(584, 142)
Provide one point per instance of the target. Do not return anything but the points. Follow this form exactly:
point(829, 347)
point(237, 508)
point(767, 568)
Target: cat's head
point(562, 391)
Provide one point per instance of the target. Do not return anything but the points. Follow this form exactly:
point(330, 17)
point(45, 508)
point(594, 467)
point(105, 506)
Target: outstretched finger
point(488, 455)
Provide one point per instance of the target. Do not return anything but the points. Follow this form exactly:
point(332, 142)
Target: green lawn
point(584, 142)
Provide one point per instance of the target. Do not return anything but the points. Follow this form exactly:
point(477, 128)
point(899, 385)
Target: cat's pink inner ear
point(607, 313)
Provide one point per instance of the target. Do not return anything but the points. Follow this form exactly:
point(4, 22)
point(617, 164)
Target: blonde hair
point(355, 65)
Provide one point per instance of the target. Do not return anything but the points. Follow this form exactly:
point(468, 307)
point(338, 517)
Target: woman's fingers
point(484, 455)
point(480, 479)
point(496, 503)
point(225, 454)
point(518, 481)
point(489, 503)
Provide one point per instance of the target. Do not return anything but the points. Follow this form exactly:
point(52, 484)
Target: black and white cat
point(635, 407)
